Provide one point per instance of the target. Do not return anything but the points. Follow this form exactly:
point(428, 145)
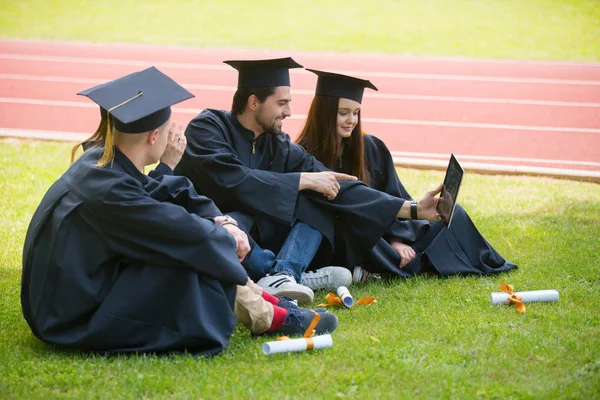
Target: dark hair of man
point(241, 96)
point(320, 138)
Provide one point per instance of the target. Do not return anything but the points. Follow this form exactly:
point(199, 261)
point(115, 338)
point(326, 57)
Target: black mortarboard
point(103, 112)
point(343, 86)
point(138, 102)
point(263, 73)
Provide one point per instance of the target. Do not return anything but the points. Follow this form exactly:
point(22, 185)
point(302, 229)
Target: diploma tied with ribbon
point(300, 344)
point(508, 295)
point(345, 296)
point(308, 342)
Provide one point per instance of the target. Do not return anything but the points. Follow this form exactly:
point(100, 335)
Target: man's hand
point(406, 253)
point(426, 207)
point(325, 182)
point(243, 247)
point(176, 144)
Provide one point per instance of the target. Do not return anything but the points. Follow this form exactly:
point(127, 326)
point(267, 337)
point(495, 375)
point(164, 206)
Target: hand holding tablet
point(452, 181)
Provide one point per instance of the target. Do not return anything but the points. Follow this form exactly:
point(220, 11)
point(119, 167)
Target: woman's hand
point(406, 253)
point(426, 207)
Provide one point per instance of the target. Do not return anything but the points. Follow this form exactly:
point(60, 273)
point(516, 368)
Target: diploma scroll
point(527, 297)
point(302, 344)
point(345, 296)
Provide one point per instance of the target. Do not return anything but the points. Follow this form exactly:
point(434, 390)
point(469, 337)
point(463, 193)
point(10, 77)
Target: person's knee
point(251, 310)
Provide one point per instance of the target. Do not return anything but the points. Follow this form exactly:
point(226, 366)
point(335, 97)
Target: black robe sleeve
point(160, 170)
point(212, 165)
point(179, 190)
point(163, 234)
point(385, 178)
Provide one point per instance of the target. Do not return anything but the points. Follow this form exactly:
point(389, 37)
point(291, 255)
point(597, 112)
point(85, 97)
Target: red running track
point(499, 115)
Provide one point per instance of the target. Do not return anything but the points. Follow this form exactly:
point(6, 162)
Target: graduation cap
point(103, 112)
point(137, 103)
point(263, 73)
point(343, 86)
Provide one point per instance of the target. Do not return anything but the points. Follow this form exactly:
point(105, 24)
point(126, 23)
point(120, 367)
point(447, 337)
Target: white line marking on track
point(486, 168)
point(593, 176)
point(304, 92)
point(265, 53)
point(110, 61)
point(194, 111)
point(478, 125)
point(493, 158)
point(217, 67)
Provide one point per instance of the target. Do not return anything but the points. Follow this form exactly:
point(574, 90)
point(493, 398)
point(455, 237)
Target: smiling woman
point(409, 247)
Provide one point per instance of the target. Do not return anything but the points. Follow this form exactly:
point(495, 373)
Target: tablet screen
point(452, 181)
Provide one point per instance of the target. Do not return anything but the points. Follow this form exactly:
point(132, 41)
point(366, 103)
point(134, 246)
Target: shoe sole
point(302, 297)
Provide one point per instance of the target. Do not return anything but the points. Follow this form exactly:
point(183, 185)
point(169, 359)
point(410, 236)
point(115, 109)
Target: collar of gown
point(245, 132)
point(129, 167)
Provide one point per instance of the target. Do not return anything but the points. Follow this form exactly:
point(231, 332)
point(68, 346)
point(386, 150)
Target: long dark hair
point(320, 138)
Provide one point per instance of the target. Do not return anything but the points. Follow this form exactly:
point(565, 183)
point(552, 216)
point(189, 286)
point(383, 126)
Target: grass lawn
point(532, 29)
point(426, 338)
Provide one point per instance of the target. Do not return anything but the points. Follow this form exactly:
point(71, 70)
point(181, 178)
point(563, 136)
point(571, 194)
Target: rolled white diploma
point(286, 346)
point(345, 296)
point(527, 297)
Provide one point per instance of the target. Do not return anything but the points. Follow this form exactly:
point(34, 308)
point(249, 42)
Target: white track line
point(517, 160)
point(485, 168)
point(476, 125)
point(424, 163)
point(194, 111)
point(217, 67)
point(267, 53)
point(304, 92)
point(43, 135)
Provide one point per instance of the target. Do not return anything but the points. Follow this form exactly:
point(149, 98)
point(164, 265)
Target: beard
point(269, 126)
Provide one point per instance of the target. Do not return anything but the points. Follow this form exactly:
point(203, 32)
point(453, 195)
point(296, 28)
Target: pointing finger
point(344, 177)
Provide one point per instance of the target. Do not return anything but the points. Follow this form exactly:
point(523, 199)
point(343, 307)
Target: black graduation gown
point(460, 249)
point(115, 261)
point(257, 182)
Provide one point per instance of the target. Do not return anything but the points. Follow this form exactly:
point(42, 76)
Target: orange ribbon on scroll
point(308, 334)
point(333, 300)
point(513, 297)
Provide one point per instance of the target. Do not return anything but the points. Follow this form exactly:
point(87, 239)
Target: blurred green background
point(514, 29)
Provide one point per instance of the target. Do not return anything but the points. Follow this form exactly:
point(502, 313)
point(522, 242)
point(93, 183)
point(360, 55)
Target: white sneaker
point(328, 278)
point(361, 275)
point(285, 285)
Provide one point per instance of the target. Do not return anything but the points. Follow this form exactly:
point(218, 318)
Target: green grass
point(426, 338)
point(532, 29)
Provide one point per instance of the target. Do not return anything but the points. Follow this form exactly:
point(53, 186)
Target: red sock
point(270, 298)
point(278, 317)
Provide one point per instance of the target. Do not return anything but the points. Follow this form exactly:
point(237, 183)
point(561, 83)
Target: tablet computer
point(452, 181)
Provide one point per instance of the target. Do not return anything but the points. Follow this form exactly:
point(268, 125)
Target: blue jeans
point(296, 254)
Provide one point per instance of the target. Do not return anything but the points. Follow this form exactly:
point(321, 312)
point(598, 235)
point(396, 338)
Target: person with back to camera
point(115, 261)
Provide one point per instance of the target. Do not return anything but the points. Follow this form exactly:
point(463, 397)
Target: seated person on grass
point(333, 134)
point(287, 200)
point(115, 261)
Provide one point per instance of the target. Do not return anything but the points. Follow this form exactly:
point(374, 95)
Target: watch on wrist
point(413, 210)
